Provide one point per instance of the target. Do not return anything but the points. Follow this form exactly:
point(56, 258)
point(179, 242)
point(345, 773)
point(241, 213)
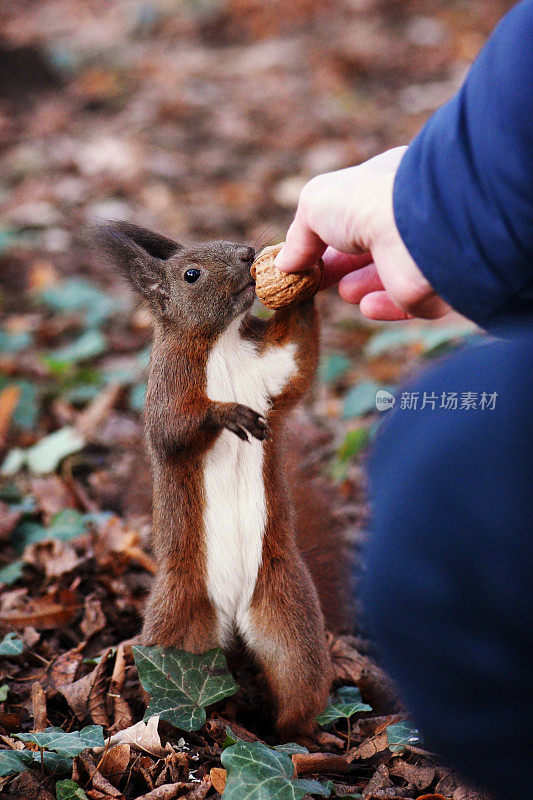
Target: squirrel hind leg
point(177, 618)
point(292, 653)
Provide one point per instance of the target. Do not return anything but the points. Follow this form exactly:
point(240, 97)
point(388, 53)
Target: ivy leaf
point(360, 399)
point(257, 772)
point(11, 572)
point(182, 684)
point(333, 367)
point(290, 748)
point(14, 761)
point(46, 455)
point(77, 295)
point(346, 702)
point(352, 796)
point(90, 344)
point(428, 338)
point(401, 735)
point(11, 645)
point(66, 744)
point(69, 790)
point(65, 525)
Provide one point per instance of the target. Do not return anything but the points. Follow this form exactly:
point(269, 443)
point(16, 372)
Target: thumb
point(303, 247)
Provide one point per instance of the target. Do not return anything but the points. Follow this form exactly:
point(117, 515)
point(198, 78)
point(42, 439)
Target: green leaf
point(137, 395)
point(182, 684)
point(46, 455)
point(354, 441)
point(69, 790)
point(333, 367)
point(11, 573)
point(290, 748)
point(257, 772)
point(427, 337)
point(65, 525)
point(11, 645)
point(14, 761)
point(331, 786)
point(65, 744)
point(346, 702)
point(21, 760)
point(14, 342)
point(401, 735)
point(90, 344)
point(77, 295)
point(4, 691)
point(361, 399)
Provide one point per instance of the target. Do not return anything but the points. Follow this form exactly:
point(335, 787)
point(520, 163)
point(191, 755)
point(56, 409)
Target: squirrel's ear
point(140, 256)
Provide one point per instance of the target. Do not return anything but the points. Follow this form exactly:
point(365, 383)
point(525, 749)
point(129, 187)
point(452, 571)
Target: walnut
point(277, 289)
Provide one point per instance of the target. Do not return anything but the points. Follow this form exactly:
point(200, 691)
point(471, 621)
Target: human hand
point(347, 218)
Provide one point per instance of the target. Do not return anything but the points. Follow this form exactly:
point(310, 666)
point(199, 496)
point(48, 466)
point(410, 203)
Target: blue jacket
point(463, 195)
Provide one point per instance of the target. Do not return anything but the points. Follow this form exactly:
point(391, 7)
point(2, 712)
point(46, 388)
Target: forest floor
point(202, 120)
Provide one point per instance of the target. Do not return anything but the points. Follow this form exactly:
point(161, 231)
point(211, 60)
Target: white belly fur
point(235, 507)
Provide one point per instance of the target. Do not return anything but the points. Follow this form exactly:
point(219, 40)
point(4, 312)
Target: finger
point(354, 286)
point(303, 247)
point(337, 265)
point(378, 305)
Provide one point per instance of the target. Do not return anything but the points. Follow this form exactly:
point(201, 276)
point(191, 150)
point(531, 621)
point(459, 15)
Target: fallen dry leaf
point(93, 617)
point(87, 696)
point(9, 399)
point(218, 778)
point(122, 715)
point(114, 762)
point(142, 736)
point(9, 518)
point(38, 705)
point(166, 792)
point(368, 748)
point(44, 613)
point(53, 557)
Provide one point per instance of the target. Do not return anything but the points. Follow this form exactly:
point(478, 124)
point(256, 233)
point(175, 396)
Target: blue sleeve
point(463, 194)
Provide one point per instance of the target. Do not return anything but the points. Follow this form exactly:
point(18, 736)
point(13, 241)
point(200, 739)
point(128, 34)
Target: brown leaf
point(431, 797)
point(10, 721)
point(96, 779)
point(114, 762)
point(9, 517)
point(93, 617)
point(419, 776)
point(142, 736)
point(349, 666)
point(200, 791)
point(166, 792)
point(53, 557)
point(9, 399)
point(90, 420)
point(306, 763)
point(368, 748)
point(122, 714)
point(64, 668)
point(38, 705)
point(44, 613)
point(30, 786)
point(87, 696)
point(52, 495)
point(379, 780)
point(218, 779)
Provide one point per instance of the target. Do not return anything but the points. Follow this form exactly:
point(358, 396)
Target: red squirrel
point(220, 386)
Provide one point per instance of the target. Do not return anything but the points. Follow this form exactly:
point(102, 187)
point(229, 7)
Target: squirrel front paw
point(243, 420)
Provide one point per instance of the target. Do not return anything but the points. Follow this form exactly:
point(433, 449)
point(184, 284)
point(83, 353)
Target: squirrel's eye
point(191, 275)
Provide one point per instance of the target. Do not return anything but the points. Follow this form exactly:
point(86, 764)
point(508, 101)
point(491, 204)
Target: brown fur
point(287, 626)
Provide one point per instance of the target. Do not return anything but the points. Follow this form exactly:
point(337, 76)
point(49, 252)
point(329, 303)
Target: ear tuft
point(140, 255)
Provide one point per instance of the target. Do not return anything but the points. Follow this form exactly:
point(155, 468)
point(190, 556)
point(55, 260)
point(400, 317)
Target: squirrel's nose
point(246, 254)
